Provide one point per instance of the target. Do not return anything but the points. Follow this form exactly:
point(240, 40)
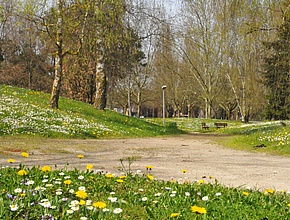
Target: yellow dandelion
point(10, 160)
point(24, 154)
point(99, 205)
point(82, 202)
point(109, 175)
point(150, 167)
point(89, 166)
point(120, 181)
point(198, 210)
point(81, 194)
point(211, 177)
point(269, 191)
point(123, 177)
point(201, 182)
point(184, 171)
point(174, 215)
point(245, 193)
point(46, 169)
point(67, 182)
point(22, 194)
point(150, 177)
point(22, 173)
point(80, 156)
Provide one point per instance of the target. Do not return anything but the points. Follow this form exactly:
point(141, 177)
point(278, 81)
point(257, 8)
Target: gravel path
point(195, 153)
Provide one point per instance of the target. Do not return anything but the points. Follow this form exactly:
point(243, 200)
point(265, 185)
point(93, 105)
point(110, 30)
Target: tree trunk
point(101, 79)
point(138, 104)
point(236, 97)
point(243, 109)
point(207, 108)
point(56, 82)
point(128, 111)
point(101, 87)
point(189, 111)
point(58, 61)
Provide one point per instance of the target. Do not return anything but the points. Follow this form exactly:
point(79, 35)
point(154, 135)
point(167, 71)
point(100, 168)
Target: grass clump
point(46, 193)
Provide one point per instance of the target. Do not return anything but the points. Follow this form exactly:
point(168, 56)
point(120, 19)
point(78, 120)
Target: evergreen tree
point(277, 74)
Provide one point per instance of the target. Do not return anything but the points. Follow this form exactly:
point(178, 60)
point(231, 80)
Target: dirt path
point(194, 153)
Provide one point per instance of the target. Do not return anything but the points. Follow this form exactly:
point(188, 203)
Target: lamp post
point(163, 103)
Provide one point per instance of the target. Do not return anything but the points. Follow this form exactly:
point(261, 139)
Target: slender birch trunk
point(55, 93)
point(58, 72)
point(101, 79)
point(138, 104)
point(128, 112)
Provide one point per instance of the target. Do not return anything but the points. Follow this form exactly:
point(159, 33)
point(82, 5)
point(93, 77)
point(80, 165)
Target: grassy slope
point(274, 135)
point(27, 112)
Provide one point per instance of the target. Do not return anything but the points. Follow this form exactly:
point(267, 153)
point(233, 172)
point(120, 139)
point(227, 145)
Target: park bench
point(204, 126)
point(220, 124)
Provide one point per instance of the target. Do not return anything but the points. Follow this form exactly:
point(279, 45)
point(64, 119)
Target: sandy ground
point(195, 153)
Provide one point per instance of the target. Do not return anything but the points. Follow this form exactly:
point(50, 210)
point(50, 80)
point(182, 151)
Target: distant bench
point(204, 126)
point(220, 124)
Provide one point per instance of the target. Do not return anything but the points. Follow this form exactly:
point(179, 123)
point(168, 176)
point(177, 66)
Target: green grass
point(194, 124)
point(44, 193)
point(26, 112)
point(275, 136)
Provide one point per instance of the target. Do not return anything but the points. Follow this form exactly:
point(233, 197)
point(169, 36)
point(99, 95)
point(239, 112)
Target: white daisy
point(117, 211)
point(13, 207)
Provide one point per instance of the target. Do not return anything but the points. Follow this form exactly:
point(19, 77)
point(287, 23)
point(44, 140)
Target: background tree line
point(218, 58)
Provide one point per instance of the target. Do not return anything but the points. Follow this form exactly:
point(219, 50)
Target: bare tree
point(23, 56)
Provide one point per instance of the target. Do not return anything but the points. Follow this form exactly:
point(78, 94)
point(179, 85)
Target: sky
point(172, 6)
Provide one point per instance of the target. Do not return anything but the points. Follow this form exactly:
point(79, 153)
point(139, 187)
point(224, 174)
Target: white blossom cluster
point(18, 117)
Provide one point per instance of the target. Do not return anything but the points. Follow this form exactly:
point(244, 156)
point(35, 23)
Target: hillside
point(26, 112)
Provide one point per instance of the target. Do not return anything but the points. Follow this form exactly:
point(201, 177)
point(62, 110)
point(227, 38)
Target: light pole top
point(164, 87)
